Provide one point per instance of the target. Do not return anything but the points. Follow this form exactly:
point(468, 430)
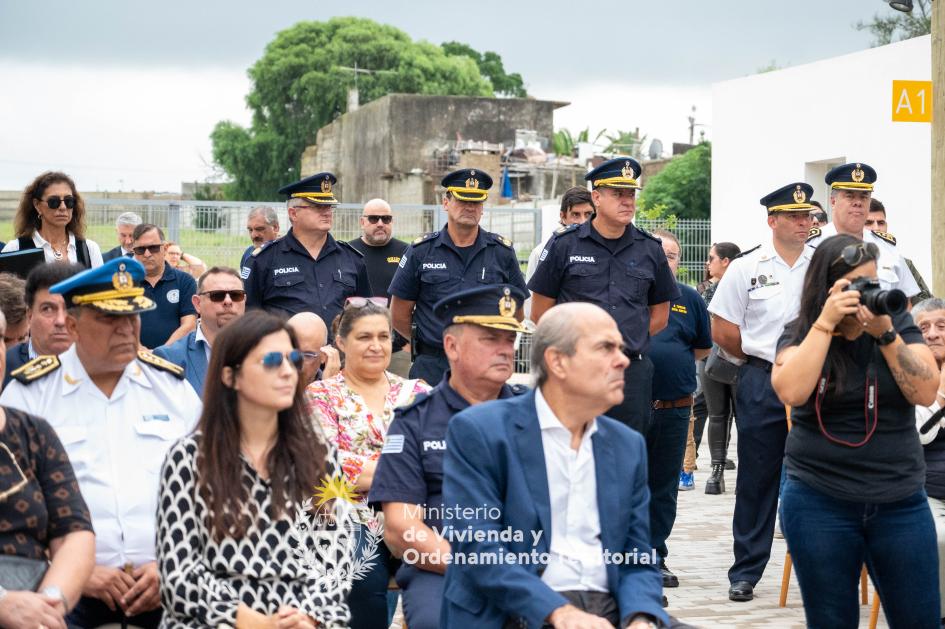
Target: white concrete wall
point(771, 129)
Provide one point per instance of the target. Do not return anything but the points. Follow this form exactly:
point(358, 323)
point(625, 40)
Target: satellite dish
point(656, 149)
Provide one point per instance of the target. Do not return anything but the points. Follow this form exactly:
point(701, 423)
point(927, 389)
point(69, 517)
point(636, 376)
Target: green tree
point(301, 83)
point(490, 66)
point(624, 142)
point(683, 187)
point(564, 142)
point(896, 26)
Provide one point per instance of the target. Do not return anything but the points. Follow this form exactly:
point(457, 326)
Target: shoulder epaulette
point(415, 401)
point(262, 247)
point(426, 237)
point(159, 363)
point(886, 236)
point(519, 389)
point(502, 240)
point(350, 247)
point(745, 253)
point(36, 369)
point(647, 234)
point(813, 233)
point(565, 228)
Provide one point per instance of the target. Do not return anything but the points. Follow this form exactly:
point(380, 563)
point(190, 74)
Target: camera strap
point(870, 404)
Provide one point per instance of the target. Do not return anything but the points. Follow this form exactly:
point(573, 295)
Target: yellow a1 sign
point(912, 101)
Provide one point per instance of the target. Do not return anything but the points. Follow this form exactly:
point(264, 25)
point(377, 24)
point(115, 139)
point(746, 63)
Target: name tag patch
point(286, 269)
point(393, 260)
point(586, 259)
point(432, 266)
point(681, 309)
point(435, 444)
point(393, 444)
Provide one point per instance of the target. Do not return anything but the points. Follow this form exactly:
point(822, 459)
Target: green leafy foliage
point(301, 83)
point(683, 187)
point(491, 67)
point(893, 26)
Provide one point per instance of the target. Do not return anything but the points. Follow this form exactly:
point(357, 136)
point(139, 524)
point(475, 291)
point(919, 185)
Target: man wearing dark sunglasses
point(117, 410)
point(851, 192)
point(171, 289)
point(382, 253)
point(306, 270)
point(219, 301)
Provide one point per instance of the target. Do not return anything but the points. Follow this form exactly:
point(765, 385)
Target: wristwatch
point(887, 337)
point(53, 591)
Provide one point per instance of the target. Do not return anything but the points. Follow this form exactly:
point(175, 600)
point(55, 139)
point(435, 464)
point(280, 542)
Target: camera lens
point(884, 302)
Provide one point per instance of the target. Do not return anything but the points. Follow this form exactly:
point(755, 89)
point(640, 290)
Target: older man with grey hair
point(262, 223)
point(929, 316)
point(550, 464)
point(125, 226)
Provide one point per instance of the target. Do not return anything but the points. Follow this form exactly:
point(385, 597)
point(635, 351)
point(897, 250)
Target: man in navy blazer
point(219, 299)
point(548, 500)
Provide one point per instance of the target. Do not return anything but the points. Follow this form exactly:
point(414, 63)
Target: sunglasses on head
point(273, 360)
point(154, 249)
point(856, 254)
point(373, 218)
point(361, 302)
point(216, 296)
point(54, 201)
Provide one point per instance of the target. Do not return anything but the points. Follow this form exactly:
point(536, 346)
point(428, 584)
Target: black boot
point(716, 483)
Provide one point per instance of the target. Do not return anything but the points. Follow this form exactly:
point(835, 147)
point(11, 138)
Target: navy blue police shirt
point(674, 367)
point(433, 268)
point(172, 296)
point(624, 276)
point(410, 469)
point(282, 277)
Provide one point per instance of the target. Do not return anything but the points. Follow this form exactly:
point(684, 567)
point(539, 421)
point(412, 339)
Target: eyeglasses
point(273, 360)
point(18, 485)
point(373, 218)
point(216, 296)
point(154, 249)
point(856, 254)
point(54, 201)
point(361, 302)
point(311, 356)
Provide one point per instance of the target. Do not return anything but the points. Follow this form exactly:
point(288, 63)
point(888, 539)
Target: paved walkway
point(700, 554)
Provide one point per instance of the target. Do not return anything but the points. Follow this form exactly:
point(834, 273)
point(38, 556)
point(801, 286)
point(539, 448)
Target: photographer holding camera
point(853, 365)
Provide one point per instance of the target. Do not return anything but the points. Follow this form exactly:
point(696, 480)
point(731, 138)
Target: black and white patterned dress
point(203, 581)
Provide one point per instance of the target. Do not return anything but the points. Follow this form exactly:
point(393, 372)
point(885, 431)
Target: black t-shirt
point(381, 263)
point(890, 466)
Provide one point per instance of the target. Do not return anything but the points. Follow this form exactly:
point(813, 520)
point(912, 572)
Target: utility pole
point(938, 148)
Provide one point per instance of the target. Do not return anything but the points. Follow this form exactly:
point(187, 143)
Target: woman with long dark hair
point(854, 491)
point(51, 217)
point(230, 492)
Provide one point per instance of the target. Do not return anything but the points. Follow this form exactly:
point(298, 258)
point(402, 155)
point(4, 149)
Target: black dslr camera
point(879, 301)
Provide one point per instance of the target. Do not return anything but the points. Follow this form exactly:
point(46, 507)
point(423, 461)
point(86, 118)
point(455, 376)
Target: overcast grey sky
point(162, 73)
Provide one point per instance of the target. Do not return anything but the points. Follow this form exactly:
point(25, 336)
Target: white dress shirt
point(198, 337)
point(891, 268)
point(116, 445)
point(576, 559)
point(760, 293)
point(95, 253)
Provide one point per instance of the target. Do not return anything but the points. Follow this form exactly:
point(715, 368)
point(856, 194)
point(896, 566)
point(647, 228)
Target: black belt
point(760, 363)
point(429, 350)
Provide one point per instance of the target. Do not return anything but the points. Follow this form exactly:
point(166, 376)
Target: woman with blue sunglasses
point(231, 494)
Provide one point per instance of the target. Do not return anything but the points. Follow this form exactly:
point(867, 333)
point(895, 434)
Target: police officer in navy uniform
point(460, 257)
point(479, 342)
point(610, 262)
point(759, 293)
point(306, 270)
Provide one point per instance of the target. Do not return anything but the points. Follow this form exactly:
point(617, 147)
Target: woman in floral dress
point(355, 408)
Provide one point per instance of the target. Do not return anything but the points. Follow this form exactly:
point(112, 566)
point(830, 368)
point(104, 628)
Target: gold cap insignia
point(507, 304)
point(326, 185)
point(122, 279)
point(799, 195)
point(627, 171)
point(857, 174)
point(472, 183)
